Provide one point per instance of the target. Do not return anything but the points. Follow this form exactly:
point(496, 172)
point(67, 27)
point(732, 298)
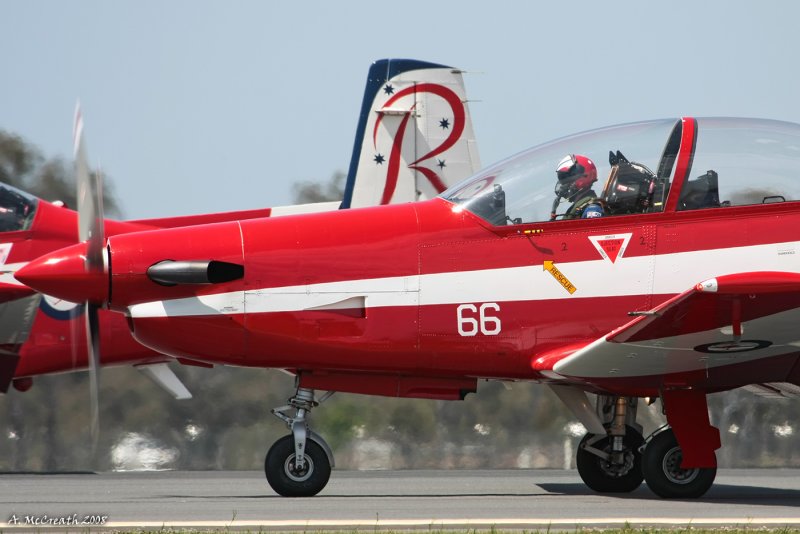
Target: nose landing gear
point(299, 465)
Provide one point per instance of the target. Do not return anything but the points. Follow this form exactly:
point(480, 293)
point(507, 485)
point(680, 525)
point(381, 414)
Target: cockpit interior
point(17, 209)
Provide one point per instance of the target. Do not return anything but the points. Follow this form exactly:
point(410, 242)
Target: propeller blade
point(93, 347)
point(90, 229)
point(90, 200)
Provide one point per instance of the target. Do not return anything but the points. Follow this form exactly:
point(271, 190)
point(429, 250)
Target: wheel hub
point(298, 474)
point(616, 470)
point(672, 468)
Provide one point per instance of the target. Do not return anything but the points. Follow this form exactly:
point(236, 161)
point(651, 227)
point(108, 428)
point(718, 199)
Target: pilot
point(13, 210)
point(595, 208)
point(576, 174)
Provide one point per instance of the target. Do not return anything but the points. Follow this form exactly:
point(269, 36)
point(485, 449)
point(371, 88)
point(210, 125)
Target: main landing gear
point(619, 460)
point(299, 465)
point(611, 462)
point(661, 465)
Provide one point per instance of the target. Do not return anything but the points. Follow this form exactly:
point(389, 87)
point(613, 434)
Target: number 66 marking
point(469, 325)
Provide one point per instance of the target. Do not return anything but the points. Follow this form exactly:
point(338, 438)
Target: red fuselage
point(48, 333)
point(430, 290)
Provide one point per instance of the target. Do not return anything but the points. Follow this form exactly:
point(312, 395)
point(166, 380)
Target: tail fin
point(414, 136)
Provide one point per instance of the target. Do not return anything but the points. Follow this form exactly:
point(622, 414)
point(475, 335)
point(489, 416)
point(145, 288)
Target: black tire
point(663, 474)
point(285, 480)
point(605, 477)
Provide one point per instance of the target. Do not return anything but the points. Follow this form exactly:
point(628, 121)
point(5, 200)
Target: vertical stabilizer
point(414, 136)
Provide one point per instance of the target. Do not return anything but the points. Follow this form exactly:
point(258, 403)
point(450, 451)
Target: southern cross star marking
point(379, 159)
point(444, 124)
point(388, 89)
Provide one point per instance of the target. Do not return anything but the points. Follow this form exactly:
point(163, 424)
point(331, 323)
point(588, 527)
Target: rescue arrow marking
point(550, 266)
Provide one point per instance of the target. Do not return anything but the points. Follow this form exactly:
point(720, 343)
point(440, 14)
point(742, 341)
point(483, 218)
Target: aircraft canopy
point(708, 162)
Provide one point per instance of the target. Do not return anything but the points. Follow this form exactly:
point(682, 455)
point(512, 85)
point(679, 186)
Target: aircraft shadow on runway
point(360, 496)
point(719, 492)
point(729, 494)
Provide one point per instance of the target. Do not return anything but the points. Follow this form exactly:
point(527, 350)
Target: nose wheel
point(661, 465)
point(299, 465)
point(290, 478)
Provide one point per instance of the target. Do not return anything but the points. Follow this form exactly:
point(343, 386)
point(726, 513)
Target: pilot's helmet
point(575, 173)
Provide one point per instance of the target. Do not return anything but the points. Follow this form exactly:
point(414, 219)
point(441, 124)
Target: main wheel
point(662, 470)
point(603, 476)
point(290, 481)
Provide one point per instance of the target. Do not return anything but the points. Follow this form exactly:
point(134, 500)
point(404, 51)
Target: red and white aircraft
point(689, 285)
point(413, 112)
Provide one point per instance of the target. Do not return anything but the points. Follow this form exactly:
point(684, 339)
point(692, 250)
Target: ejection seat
point(701, 192)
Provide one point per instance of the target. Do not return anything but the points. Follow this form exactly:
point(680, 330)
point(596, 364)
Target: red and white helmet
point(576, 170)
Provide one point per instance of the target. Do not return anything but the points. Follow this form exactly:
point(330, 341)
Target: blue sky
point(200, 106)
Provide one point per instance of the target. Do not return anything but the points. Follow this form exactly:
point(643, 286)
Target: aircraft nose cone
point(63, 274)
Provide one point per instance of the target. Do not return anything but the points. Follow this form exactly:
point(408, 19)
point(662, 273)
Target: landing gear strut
point(618, 459)
point(611, 462)
point(608, 471)
point(299, 465)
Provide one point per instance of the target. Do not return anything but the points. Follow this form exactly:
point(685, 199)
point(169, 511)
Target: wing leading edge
point(728, 320)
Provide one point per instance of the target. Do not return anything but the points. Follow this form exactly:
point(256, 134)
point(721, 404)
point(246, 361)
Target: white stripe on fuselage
point(7, 273)
point(674, 273)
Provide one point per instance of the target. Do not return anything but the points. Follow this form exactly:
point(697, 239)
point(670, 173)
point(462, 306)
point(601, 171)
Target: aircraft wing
point(10, 289)
point(728, 320)
point(13, 291)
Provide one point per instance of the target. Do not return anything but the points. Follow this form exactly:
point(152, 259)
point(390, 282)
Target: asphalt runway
point(519, 499)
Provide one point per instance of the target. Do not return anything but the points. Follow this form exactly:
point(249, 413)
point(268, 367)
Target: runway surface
point(387, 499)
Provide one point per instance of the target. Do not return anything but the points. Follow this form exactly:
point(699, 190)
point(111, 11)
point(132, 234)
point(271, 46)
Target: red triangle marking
point(611, 247)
